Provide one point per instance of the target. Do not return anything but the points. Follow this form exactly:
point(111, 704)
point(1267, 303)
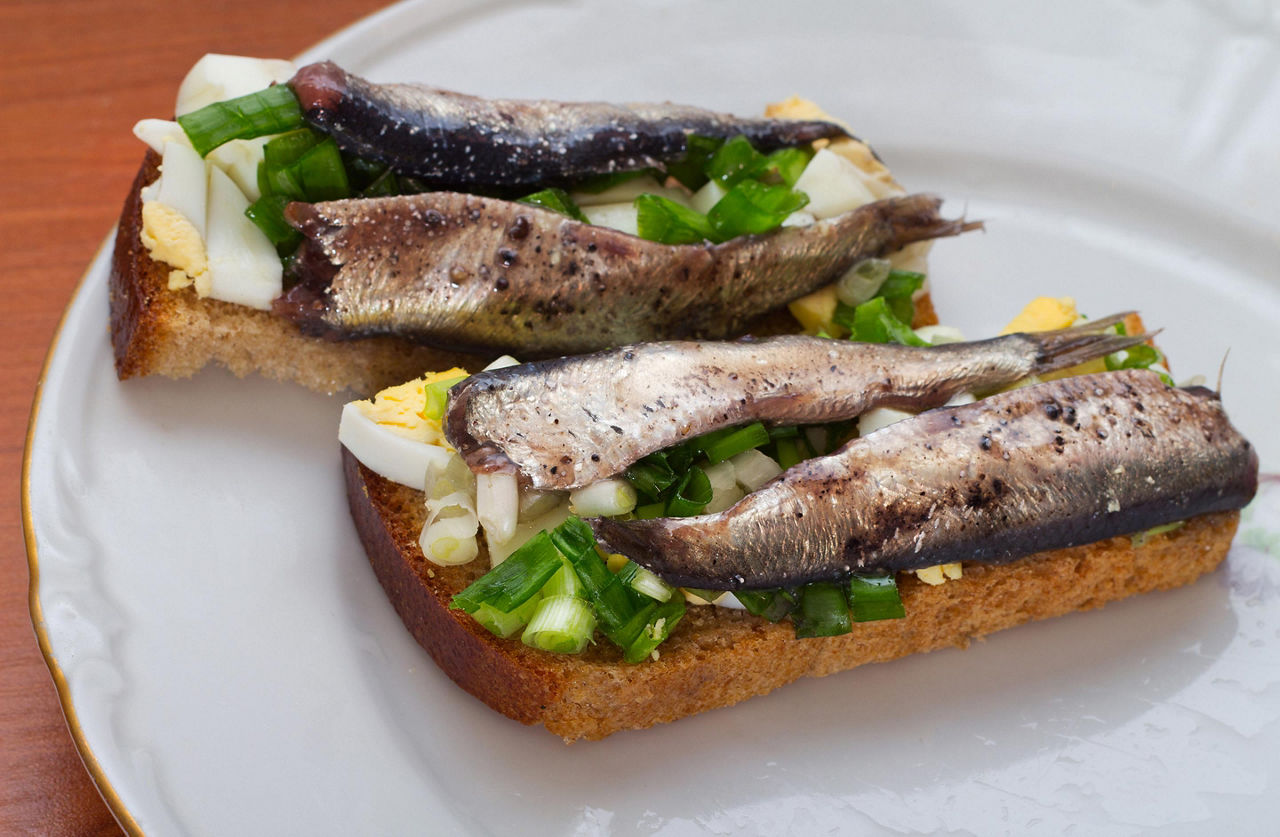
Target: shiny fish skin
point(1068, 462)
point(568, 422)
point(454, 141)
point(467, 272)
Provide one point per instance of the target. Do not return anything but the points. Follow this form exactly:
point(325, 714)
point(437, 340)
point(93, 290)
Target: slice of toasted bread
point(158, 331)
point(718, 657)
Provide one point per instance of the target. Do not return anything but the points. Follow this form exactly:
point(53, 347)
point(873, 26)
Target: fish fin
point(1080, 343)
point(1221, 368)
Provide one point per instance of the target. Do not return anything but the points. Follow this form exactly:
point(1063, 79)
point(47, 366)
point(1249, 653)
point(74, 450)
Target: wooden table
point(74, 77)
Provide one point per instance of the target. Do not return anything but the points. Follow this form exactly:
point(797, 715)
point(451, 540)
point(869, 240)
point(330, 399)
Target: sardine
point(1067, 462)
point(462, 271)
point(568, 422)
point(454, 141)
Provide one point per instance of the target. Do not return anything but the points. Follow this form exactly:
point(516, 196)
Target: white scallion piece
point(834, 185)
point(644, 581)
point(498, 552)
point(502, 363)
point(939, 334)
point(450, 538)
point(861, 282)
point(535, 503)
point(752, 469)
point(606, 498)
point(881, 417)
point(497, 506)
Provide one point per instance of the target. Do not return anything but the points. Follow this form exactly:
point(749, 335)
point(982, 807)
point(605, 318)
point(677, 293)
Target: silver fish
point(1067, 462)
point(463, 272)
point(568, 422)
point(454, 141)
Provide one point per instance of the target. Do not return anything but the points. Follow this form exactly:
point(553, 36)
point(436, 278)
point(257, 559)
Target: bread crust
point(718, 657)
point(158, 331)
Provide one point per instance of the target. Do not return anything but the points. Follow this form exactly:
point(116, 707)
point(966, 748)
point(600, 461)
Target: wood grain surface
point(74, 77)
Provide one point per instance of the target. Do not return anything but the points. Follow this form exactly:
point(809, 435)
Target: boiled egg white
point(391, 437)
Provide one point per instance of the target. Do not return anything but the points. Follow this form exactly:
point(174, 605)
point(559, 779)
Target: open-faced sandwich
point(610, 541)
point(316, 227)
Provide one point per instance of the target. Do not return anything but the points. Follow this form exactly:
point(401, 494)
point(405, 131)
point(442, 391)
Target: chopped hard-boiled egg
point(243, 265)
point(834, 185)
point(620, 216)
point(216, 78)
point(1044, 313)
point(940, 573)
point(174, 215)
point(390, 436)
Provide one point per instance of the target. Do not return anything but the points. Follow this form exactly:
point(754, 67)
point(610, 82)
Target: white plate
point(230, 665)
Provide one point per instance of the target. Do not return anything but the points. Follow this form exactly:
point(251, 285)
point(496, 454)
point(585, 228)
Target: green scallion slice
point(602, 588)
point(650, 511)
point(691, 494)
point(652, 475)
point(645, 582)
point(874, 322)
point(690, 169)
point(515, 580)
point(322, 174)
point(752, 207)
point(267, 212)
point(561, 625)
point(271, 111)
point(875, 597)
point(736, 441)
point(734, 161)
point(662, 620)
point(437, 396)
point(899, 289)
point(667, 222)
point(773, 605)
point(505, 624)
point(823, 610)
point(564, 582)
point(557, 200)
point(787, 163)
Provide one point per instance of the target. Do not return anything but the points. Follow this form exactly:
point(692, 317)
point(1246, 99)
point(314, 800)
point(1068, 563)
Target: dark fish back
point(455, 141)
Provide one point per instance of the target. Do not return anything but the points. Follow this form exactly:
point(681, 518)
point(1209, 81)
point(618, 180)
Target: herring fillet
point(1068, 462)
point(567, 422)
point(469, 272)
point(455, 141)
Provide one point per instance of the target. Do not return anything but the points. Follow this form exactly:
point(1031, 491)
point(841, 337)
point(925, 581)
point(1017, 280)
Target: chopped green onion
point(1141, 538)
point(875, 597)
point(321, 173)
point(515, 580)
point(557, 200)
point(690, 169)
point(644, 581)
point(691, 494)
point(737, 441)
point(1140, 356)
point(650, 511)
point(899, 289)
point(652, 475)
point(561, 624)
point(734, 161)
point(874, 322)
point(773, 605)
point(565, 582)
point(602, 588)
point(656, 630)
point(287, 149)
point(505, 624)
point(863, 281)
point(788, 163)
point(790, 453)
point(271, 111)
point(751, 207)
point(667, 222)
point(267, 212)
point(437, 396)
point(789, 431)
point(823, 611)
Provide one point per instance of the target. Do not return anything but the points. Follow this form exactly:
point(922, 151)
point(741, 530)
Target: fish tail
point(915, 218)
point(1070, 346)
